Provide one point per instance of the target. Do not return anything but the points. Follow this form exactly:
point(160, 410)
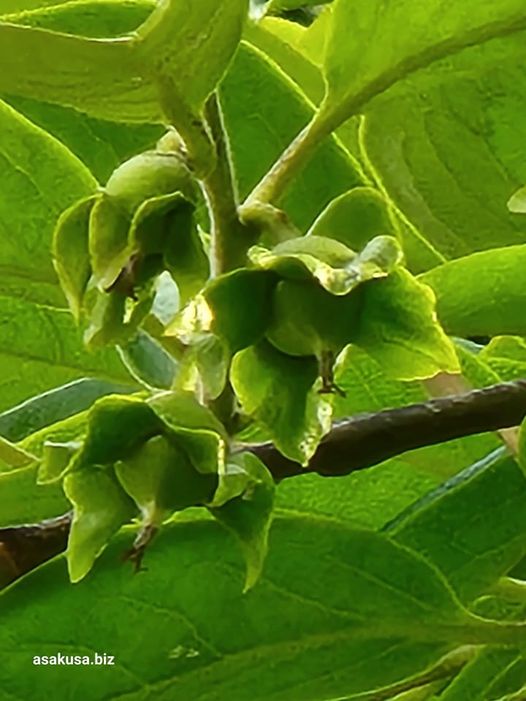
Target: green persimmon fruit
point(308, 320)
point(149, 175)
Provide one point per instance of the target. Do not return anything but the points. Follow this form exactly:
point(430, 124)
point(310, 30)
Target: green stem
point(329, 118)
point(201, 154)
point(230, 239)
point(275, 182)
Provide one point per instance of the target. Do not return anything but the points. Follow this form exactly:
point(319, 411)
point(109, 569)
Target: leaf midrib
point(272, 651)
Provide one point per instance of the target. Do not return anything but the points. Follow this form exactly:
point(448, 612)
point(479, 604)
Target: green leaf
point(226, 309)
point(66, 431)
point(521, 458)
point(194, 427)
point(102, 76)
point(46, 341)
point(481, 294)
point(443, 147)
point(40, 179)
point(98, 79)
point(117, 426)
point(101, 507)
point(355, 218)
point(506, 356)
point(101, 145)
point(281, 393)
point(148, 362)
point(205, 364)
point(336, 267)
point(282, 111)
point(298, 51)
point(12, 457)
point(472, 528)
point(78, 17)
point(341, 600)
point(56, 459)
point(71, 252)
point(399, 329)
point(374, 497)
point(248, 514)
point(23, 5)
point(108, 241)
point(275, 37)
point(192, 44)
point(390, 43)
point(25, 501)
point(160, 478)
point(490, 675)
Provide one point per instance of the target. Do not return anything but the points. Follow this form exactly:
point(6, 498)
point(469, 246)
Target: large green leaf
point(40, 348)
point(481, 294)
point(351, 612)
point(40, 178)
point(55, 405)
point(491, 675)
point(355, 218)
point(97, 19)
point(473, 528)
point(9, 6)
point(276, 38)
point(118, 78)
point(148, 362)
point(101, 145)
point(389, 42)
point(25, 501)
point(241, 98)
point(444, 147)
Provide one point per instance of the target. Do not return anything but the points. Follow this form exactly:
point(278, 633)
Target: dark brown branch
point(368, 439)
point(22, 548)
point(353, 444)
